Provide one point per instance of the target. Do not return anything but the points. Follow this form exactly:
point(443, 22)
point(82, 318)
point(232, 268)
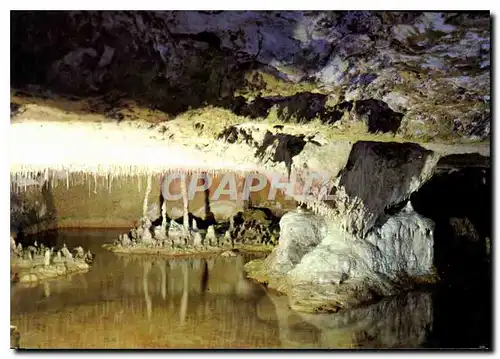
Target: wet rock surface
point(422, 74)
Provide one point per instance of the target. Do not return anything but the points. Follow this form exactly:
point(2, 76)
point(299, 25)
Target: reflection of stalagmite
point(163, 287)
point(147, 268)
point(204, 275)
point(185, 203)
point(184, 300)
point(46, 289)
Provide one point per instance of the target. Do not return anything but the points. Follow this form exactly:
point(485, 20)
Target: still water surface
point(155, 302)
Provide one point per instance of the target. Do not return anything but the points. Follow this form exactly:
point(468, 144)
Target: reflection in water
point(156, 302)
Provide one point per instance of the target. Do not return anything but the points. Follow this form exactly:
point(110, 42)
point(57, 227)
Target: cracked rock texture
point(423, 75)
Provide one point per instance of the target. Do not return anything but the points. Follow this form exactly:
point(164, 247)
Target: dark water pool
point(155, 302)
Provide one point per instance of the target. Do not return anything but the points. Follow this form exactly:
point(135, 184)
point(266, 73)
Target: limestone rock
point(376, 177)
point(300, 233)
point(344, 271)
point(324, 268)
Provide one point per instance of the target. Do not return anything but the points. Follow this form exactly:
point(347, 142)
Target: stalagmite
point(148, 190)
point(197, 239)
point(210, 238)
point(46, 259)
point(66, 253)
point(67, 179)
point(164, 216)
point(227, 237)
point(13, 247)
point(185, 202)
point(46, 289)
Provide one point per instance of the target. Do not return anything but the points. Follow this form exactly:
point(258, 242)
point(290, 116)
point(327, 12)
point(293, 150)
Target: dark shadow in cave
point(26, 213)
point(459, 202)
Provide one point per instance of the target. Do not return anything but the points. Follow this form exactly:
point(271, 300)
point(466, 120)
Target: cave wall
point(422, 74)
point(89, 202)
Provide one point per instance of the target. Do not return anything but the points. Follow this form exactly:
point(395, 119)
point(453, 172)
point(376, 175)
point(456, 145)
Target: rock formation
point(364, 242)
point(421, 74)
point(34, 264)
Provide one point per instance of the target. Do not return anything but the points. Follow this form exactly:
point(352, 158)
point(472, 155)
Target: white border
point(191, 5)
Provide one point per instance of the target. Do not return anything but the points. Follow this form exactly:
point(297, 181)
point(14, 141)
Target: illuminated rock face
point(365, 241)
point(325, 268)
point(302, 59)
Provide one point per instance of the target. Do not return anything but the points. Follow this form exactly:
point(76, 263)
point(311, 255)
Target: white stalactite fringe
point(131, 170)
point(148, 190)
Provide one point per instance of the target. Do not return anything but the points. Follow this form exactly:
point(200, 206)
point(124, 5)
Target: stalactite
point(145, 205)
point(185, 202)
point(164, 216)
